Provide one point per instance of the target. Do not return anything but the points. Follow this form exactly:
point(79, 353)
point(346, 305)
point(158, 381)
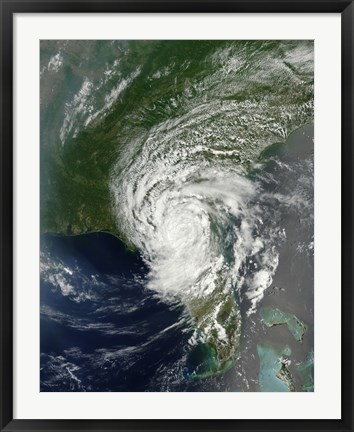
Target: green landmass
point(218, 352)
point(75, 194)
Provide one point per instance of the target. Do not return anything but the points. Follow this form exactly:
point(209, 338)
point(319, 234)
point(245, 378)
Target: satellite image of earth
point(177, 216)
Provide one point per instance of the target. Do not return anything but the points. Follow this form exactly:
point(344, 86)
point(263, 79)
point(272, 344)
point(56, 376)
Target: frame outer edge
point(6, 218)
point(178, 6)
point(351, 114)
point(347, 207)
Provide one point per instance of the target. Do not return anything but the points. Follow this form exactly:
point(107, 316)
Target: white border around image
point(325, 401)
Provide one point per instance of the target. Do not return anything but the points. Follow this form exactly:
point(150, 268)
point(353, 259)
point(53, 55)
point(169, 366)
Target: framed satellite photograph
point(176, 215)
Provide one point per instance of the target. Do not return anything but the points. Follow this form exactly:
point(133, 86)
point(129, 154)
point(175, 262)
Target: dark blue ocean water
point(101, 330)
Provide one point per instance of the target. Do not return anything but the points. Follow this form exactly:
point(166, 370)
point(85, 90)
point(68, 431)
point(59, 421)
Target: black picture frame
point(8, 9)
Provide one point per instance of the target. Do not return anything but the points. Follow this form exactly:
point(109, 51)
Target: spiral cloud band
point(183, 195)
